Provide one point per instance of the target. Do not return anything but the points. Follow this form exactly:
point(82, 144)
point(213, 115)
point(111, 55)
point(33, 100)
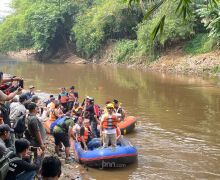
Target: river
point(178, 130)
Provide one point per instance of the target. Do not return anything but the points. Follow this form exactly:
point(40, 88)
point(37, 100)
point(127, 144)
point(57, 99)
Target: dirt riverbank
point(173, 61)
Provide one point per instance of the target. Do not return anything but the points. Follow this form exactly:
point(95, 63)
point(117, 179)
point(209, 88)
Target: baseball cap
point(31, 87)
point(5, 127)
point(110, 105)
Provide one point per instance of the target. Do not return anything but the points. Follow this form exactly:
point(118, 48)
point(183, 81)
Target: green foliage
point(15, 34)
point(201, 43)
point(41, 25)
point(174, 29)
point(215, 69)
point(123, 50)
point(104, 20)
point(211, 20)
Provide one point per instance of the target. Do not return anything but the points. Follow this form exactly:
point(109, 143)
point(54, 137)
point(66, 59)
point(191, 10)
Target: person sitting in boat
point(85, 134)
point(77, 109)
point(119, 110)
point(77, 126)
point(109, 122)
point(63, 98)
point(62, 133)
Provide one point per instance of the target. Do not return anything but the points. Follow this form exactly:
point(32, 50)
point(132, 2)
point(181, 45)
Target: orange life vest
point(63, 97)
point(86, 135)
point(110, 123)
point(52, 116)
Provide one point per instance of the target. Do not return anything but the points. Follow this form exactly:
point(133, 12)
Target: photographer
point(3, 96)
point(21, 168)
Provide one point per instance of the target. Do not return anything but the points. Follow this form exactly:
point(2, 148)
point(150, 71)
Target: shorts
point(61, 137)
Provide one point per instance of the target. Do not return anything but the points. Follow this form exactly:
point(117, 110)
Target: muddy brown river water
point(178, 130)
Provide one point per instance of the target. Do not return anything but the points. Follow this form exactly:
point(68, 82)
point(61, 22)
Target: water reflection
point(178, 133)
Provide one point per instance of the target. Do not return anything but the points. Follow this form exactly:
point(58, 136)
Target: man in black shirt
point(92, 116)
point(21, 168)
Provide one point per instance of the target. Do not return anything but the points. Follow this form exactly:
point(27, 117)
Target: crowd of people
point(23, 133)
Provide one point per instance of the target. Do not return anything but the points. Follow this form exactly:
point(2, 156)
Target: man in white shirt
point(19, 110)
point(108, 127)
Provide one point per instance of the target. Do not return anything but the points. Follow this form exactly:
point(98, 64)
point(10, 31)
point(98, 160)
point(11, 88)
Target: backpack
point(59, 122)
point(96, 110)
point(19, 126)
point(4, 163)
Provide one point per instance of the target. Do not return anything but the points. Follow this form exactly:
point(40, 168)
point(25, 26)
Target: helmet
point(110, 105)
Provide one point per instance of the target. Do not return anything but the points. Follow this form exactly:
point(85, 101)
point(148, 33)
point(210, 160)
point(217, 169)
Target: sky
point(4, 8)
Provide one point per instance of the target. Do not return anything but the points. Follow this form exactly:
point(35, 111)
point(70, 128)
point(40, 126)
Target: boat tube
point(110, 157)
point(127, 125)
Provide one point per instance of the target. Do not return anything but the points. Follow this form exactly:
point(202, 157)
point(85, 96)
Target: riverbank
point(173, 61)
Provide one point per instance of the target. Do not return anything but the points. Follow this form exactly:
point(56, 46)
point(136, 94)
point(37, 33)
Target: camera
point(9, 87)
point(33, 149)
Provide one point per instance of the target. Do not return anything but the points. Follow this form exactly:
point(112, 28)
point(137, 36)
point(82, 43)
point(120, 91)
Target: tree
point(184, 8)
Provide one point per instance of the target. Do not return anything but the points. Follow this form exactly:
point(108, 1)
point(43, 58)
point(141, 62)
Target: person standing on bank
point(30, 93)
point(63, 98)
point(36, 131)
point(72, 98)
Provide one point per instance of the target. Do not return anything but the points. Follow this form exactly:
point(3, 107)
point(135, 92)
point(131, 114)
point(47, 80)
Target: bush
point(41, 25)
point(201, 43)
point(105, 20)
point(123, 50)
point(175, 29)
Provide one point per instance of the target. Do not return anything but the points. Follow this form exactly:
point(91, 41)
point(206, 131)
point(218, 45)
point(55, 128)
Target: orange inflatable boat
point(127, 125)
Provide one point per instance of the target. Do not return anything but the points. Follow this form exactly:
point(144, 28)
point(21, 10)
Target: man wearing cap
point(31, 92)
point(5, 134)
point(109, 123)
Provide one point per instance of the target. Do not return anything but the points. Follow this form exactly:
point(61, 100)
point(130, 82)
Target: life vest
point(110, 123)
point(71, 96)
point(63, 97)
point(52, 116)
point(86, 135)
point(119, 110)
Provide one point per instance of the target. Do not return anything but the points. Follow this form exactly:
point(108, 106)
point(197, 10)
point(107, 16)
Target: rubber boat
point(127, 125)
point(110, 157)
